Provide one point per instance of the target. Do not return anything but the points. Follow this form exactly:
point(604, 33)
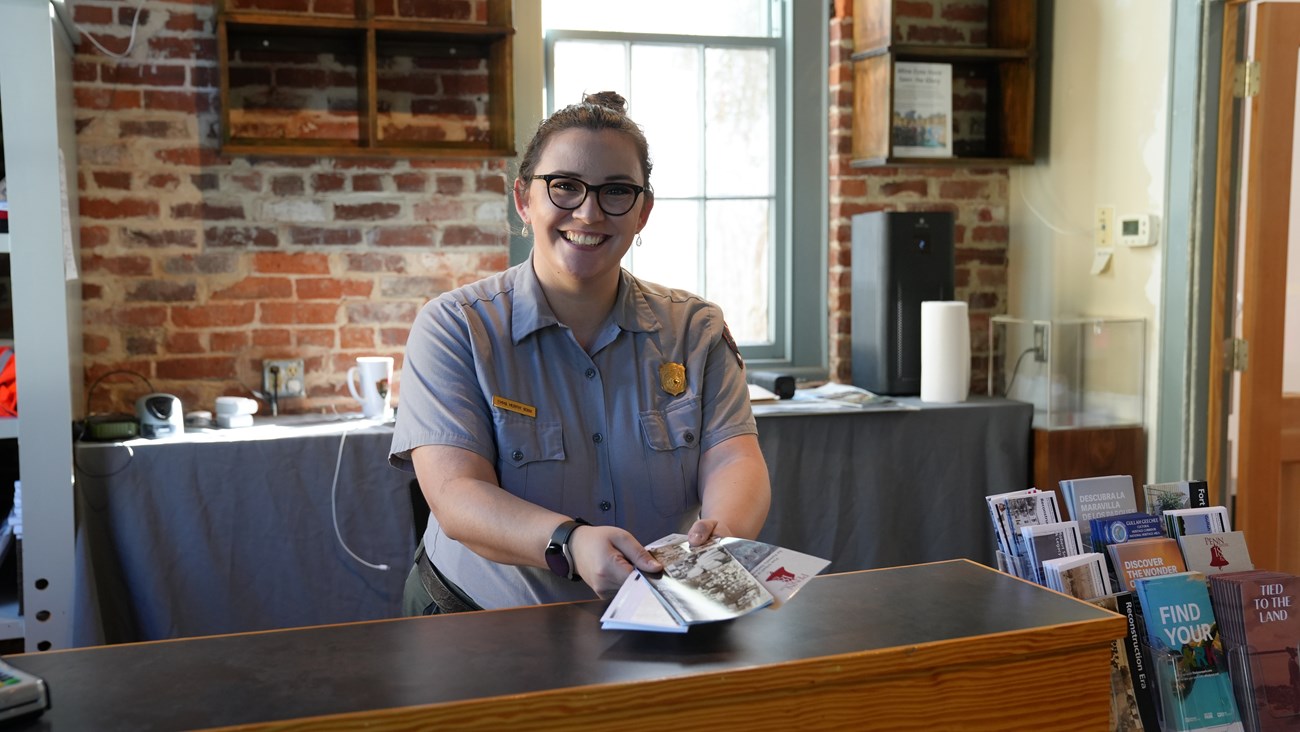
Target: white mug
point(376, 376)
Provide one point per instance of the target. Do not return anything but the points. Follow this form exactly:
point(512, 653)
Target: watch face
point(556, 561)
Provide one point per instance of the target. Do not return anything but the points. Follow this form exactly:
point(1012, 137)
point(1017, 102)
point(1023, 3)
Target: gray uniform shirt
point(488, 368)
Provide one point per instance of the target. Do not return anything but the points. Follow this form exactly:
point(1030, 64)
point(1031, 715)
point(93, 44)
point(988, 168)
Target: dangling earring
point(524, 231)
point(638, 240)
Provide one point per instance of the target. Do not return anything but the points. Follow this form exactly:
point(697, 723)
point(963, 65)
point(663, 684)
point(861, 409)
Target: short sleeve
point(726, 409)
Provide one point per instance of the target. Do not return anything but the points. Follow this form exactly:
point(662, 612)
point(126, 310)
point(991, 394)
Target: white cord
point(1025, 199)
point(334, 507)
point(135, 23)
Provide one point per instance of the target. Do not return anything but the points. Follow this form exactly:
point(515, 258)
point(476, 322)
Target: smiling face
point(581, 249)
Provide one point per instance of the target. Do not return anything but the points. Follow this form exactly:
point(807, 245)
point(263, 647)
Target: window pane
point(738, 263)
point(586, 67)
point(738, 125)
point(678, 17)
point(670, 246)
point(665, 83)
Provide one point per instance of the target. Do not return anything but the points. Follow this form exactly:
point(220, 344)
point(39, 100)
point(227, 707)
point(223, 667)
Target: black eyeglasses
point(615, 199)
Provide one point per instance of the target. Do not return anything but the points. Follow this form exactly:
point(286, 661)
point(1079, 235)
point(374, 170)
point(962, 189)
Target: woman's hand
point(605, 555)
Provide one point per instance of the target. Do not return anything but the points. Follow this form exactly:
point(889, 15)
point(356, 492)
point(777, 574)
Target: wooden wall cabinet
point(993, 84)
point(1087, 452)
point(376, 83)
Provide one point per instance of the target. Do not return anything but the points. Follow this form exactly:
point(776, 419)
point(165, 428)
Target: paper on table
point(762, 394)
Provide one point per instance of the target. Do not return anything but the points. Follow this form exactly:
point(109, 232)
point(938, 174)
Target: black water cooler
point(900, 259)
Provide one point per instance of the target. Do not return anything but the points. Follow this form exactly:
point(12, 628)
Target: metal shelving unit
point(40, 152)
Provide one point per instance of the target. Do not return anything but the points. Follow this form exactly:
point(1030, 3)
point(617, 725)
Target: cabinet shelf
point(993, 77)
point(299, 84)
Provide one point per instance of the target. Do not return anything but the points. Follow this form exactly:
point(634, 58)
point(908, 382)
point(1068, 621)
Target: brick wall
point(977, 197)
point(197, 266)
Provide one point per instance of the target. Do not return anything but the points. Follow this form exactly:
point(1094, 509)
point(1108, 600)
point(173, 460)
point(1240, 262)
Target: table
point(938, 646)
point(232, 530)
point(870, 489)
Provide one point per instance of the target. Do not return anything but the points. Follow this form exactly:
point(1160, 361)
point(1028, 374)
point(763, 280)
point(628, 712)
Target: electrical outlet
point(1040, 343)
point(1103, 233)
point(283, 377)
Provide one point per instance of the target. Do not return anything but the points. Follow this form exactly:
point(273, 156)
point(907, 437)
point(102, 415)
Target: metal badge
point(672, 377)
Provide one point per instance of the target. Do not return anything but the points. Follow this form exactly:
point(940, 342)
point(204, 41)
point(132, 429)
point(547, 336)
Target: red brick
point(191, 156)
point(332, 289)
point(282, 263)
point(394, 336)
point(94, 344)
point(141, 346)
point(256, 288)
point(963, 189)
point(114, 179)
point(409, 182)
point(204, 77)
point(89, 15)
point(206, 211)
point(267, 337)
point(364, 164)
point(94, 236)
point(206, 263)
point(172, 47)
point(234, 341)
point(356, 338)
point(119, 266)
point(209, 367)
point(162, 291)
point(325, 182)
point(318, 236)
point(913, 9)
point(179, 21)
point(213, 316)
point(247, 181)
point(404, 236)
point(471, 236)
point(164, 181)
point(367, 183)
point(314, 337)
point(372, 262)
point(161, 238)
point(240, 236)
point(294, 313)
point(994, 234)
point(184, 342)
point(287, 185)
point(382, 312)
point(123, 208)
point(972, 13)
point(178, 101)
point(146, 316)
point(918, 187)
point(135, 74)
point(105, 99)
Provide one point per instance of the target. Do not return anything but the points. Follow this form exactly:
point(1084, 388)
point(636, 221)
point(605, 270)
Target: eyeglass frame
point(587, 188)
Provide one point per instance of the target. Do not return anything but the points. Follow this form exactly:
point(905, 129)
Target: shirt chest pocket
point(672, 453)
point(530, 459)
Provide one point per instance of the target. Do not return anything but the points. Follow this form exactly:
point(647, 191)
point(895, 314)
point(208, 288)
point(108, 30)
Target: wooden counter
point(931, 646)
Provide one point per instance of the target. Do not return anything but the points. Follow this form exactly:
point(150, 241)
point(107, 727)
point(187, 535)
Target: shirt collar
point(532, 313)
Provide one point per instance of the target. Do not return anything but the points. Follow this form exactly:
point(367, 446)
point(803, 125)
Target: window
point(717, 101)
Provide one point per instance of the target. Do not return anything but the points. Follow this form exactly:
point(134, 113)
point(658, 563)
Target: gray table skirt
point(223, 533)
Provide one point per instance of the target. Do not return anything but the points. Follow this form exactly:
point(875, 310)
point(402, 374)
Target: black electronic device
point(900, 259)
point(782, 385)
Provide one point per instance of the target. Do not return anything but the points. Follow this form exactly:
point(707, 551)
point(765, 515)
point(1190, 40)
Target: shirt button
point(606, 505)
point(590, 373)
point(689, 437)
point(516, 456)
point(598, 438)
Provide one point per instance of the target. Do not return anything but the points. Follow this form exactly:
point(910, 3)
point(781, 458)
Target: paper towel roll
point(945, 351)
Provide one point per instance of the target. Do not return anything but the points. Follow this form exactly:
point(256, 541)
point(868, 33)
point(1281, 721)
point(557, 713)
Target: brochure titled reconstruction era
point(721, 580)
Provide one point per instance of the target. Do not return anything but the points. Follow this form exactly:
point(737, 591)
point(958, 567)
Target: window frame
point(798, 294)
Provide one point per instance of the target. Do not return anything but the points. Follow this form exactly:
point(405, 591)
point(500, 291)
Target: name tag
point(511, 405)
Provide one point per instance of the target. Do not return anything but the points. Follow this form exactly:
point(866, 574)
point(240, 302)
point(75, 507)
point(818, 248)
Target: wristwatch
point(558, 557)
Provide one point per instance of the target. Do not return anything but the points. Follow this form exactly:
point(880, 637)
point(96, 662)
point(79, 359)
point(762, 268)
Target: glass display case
point(1077, 371)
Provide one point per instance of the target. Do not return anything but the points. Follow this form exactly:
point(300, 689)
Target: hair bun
point(607, 99)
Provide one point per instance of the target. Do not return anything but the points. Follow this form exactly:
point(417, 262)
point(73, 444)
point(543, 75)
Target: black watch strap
point(558, 557)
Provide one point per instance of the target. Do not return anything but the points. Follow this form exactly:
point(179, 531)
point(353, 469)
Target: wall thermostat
point(1138, 230)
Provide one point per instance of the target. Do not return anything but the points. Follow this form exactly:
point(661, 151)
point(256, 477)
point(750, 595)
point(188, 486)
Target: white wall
point(1105, 146)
